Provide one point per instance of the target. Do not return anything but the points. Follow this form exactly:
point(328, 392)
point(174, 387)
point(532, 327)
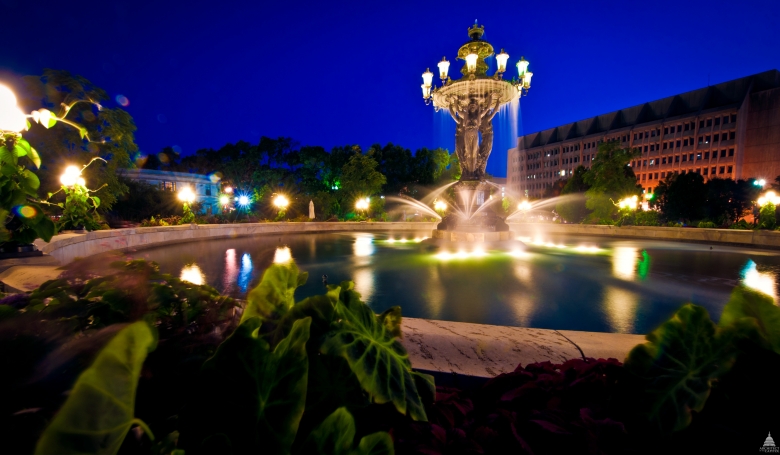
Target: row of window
point(703, 171)
point(682, 158)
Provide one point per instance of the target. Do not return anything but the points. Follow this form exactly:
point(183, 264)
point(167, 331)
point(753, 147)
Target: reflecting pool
point(567, 283)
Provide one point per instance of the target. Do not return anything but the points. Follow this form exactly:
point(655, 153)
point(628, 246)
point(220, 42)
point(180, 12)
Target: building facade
point(205, 190)
point(728, 130)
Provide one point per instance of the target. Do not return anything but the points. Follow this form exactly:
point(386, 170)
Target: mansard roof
point(719, 96)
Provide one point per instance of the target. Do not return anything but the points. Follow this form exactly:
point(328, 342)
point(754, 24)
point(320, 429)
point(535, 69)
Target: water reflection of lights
point(245, 273)
point(192, 274)
point(231, 270)
point(624, 260)
point(364, 282)
point(282, 255)
point(405, 240)
point(760, 281)
point(620, 306)
point(364, 246)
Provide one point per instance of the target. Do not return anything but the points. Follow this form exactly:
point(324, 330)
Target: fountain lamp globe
point(524, 206)
point(186, 195)
point(362, 204)
point(770, 197)
point(440, 206)
point(444, 68)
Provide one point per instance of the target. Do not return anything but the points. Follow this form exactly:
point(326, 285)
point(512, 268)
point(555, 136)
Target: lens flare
point(122, 100)
point(25, 211)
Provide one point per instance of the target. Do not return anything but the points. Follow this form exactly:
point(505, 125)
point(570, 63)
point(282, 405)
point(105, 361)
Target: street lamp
point(760, 182)
point(12, 119)
point(186, 195)
point(362, 204)
point(224, 200)
point(629, 203)
point(71, 177)
point(770, 197)
point(281, 202)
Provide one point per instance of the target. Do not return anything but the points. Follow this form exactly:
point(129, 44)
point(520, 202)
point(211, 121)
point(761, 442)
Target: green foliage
point(647, 218)
point(274, 296)
point(360, 177)
point(23, 217)
point(756, 313)
point(336, 435)
point(188, 216)
point(678, 365)
point(727, 200)
point(99, 411)
point(80, 209)
point(706, 224)
point(102, 132)
point(681, 197)
point(267, 394)
point(372, 347)
point(609, 178)
point(741, 224)
point(767, 217)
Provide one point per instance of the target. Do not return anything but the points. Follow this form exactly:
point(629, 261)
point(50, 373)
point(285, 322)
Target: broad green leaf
point(96, 201)
point(8, 170)
point(252, 399)
point(99, 411)
point(336, 435)
point(7, 157)
point(20, 151)
point(32, 180)
point(82, 132)
point(47, 118)
point(274, 294)
point(45, 228)
point(756, 309)
point(34, 157)
point(678, 364)
point(371, 345)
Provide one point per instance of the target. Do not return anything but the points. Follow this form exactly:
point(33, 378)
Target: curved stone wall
point(757, 239)
point(67, 247)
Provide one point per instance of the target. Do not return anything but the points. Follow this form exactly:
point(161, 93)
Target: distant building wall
point(205, 190)
point(728, 130)
point(762, 136)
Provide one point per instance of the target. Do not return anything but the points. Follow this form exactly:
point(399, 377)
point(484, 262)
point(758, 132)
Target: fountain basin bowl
point(468, 236)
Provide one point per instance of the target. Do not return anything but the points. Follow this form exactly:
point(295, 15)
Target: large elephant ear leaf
point(678, 364)
point(336, 434)
point(750, 308)
point(274, 294)
point(99, 411)
point(283, 389)
point(267, 394)
point(371, 346)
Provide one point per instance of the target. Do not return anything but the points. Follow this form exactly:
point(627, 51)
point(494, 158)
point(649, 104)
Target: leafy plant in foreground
point(100, 409)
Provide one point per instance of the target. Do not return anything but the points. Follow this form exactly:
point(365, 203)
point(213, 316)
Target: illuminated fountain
point(473, 101)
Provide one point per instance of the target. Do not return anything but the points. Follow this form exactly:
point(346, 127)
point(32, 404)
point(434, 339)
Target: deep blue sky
point(204, 73)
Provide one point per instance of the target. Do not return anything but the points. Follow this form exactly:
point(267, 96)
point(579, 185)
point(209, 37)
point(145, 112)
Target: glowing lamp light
point(192, 274)
point(224, 199)
point(362, 204)
point(243, 200)
point(426, 95)
point(471, 62)
point(186, 195)
point(527, 79)
point(228, 190)
point(282, 255)
point(770, 197)
point(629, 203)
point(524, 206)
point(760, 182)
point(427, 78)
point(440, 206)
point(444, 68)
point(522, 67)
point(281, 202)
point(71, 176)
point(501, 61)
point(11, 117)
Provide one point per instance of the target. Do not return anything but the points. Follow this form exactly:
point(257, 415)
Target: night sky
point(203, 74)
